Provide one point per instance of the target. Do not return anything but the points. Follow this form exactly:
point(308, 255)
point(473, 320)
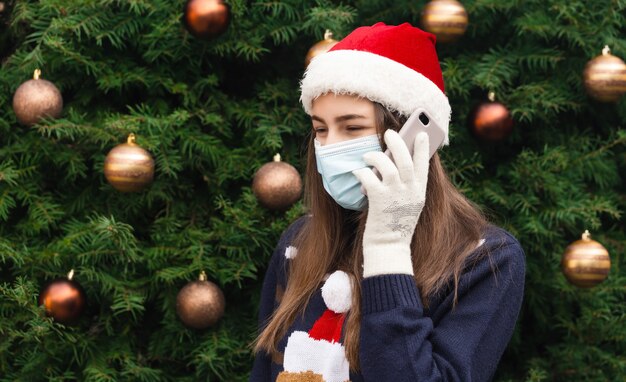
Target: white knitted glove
point(395, 204)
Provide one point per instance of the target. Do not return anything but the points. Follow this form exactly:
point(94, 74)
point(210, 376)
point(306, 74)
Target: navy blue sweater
point(400, 339)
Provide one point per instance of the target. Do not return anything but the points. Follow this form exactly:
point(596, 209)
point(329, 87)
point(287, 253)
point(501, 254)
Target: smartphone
point(417, 122)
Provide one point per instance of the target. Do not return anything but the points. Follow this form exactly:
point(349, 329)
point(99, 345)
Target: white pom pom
point(337, 292)
point(291, 252)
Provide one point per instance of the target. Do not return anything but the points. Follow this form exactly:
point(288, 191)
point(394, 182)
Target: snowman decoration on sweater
point(318, 356)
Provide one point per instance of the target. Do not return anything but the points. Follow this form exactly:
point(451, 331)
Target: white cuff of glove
point(387, 260)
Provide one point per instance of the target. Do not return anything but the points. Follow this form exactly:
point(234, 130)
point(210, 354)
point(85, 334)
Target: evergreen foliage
point(211, 113)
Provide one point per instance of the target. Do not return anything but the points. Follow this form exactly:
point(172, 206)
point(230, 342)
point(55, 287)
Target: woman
point(407, 280)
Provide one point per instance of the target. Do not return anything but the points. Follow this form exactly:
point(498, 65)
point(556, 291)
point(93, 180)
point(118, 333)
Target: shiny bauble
point(320, 47)
point(446, 19)
point(128, 167)
point(585, 263)
point(605, 77)
point(490, 121)
point(277, 185)
point(36, 99)
point(2, 7)
point(200, 304)
point(206, 19)
point(63, 299)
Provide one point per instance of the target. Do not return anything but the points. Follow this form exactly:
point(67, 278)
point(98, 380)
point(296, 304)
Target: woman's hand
point(395, 204)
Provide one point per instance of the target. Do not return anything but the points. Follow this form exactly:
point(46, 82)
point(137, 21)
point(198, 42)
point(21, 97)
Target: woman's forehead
point(340, 103)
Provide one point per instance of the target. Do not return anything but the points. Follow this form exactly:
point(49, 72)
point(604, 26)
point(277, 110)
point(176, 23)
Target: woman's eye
point(319, 130)
point(355, 127)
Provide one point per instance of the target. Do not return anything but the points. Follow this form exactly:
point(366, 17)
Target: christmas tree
point(211, 111)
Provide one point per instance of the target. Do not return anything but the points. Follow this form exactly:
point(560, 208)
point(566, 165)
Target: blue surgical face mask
point(335, 162)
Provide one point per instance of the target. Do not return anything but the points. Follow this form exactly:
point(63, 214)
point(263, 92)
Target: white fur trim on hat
point(337, 292)
point(377, 78)
point(328, 359)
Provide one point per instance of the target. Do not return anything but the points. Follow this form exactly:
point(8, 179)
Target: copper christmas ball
point(2, 6)
point(200, 304)
point(36, 99)
point(63, 299)
point(585, 263)
point(128, 167)
point(320, 47)
point(277, 185)
point(206, 19)
point(605, 77)
point(490, 121)
point(446, 19)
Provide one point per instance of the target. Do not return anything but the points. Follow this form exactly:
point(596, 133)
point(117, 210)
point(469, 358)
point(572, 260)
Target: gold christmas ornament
point(128, 167)
point(586, 262)
point(320, 47)
point(605, 77)
point(206, 19)
point(200, 304)
point(446, 19)
point(63, 299)
point(490, 121)
point(277, 185)
point(36, 99)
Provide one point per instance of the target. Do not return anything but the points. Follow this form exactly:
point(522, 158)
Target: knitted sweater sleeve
point(275, 276)
point(399, 343)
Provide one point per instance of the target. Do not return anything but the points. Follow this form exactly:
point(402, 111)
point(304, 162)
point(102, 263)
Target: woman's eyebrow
point(348, 117)
point(340, 118)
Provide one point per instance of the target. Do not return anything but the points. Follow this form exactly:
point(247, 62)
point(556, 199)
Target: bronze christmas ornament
point(128, 167)
point(206, 19)
point(63, 299)
point(320, 47)
point(446, 19)
point(605, 77)
point(36, 99)
point(200, 304)
point(586, 263)
point(490, 121)
point(277, 185)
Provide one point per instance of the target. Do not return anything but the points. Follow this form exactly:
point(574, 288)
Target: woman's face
point(339, 118)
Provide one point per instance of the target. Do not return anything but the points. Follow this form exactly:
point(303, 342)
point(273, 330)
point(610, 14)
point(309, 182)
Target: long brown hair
point(449, 229)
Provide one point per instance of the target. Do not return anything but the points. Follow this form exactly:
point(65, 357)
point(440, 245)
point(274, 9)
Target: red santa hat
point(396, 66)
point(321, 356)
point(320, 350)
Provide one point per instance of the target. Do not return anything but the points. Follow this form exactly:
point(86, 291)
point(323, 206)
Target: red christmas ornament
point(490, 121)
point(63, 299)
point(206, 19)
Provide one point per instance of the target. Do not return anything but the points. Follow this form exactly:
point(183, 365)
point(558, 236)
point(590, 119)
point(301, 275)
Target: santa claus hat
point(396, 66)
point(320, 350)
